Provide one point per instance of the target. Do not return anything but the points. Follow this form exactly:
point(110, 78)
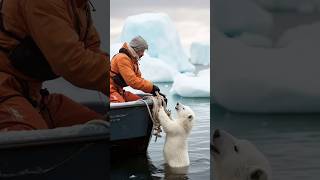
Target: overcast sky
point(191, 17)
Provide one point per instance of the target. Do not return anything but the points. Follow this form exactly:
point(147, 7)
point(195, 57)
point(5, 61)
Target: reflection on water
point(290, 142)
point(152, 166)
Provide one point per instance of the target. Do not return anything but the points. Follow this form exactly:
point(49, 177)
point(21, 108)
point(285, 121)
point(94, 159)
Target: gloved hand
point(154, 90)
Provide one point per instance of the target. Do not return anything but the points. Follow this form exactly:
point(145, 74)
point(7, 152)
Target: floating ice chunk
point(251, 79)
point(234, 17)
point(192, 86)
point(162, 37)
point(200, 53)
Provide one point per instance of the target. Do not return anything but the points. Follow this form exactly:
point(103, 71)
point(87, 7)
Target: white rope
point(158, 101)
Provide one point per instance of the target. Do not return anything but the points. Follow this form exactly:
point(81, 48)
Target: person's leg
point(116, 97)
point(65, 112)
point(130, 96)
point(16, 113)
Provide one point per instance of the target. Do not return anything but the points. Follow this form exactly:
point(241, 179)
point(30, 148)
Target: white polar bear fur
point(175, 149)
point(236, 159)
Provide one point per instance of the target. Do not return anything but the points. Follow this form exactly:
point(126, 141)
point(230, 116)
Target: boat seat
point(93, 130)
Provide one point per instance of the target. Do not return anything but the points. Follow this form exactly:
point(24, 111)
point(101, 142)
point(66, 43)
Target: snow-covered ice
point(200, 53)
point(234, 17)
point(163, 39)
point(192, 86)
point(252, 79)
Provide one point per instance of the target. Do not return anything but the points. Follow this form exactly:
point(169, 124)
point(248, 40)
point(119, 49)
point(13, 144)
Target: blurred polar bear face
point(236, 159)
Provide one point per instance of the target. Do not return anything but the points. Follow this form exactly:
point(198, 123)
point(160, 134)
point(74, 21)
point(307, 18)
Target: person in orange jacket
point(42, 40)
point(124, 71)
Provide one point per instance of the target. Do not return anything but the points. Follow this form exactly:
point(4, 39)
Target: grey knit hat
point(138, 44)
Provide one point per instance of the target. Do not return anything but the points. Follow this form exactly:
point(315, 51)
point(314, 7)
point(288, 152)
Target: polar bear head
point(236, 159)
point(185, 116)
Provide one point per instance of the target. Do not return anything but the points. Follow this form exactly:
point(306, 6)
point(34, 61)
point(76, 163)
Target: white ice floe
point(192, 86)
point(200, 53)
point(252, 79)
point(162, 37)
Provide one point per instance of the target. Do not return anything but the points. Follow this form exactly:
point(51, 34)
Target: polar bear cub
point(237, 159)
point(177, 130)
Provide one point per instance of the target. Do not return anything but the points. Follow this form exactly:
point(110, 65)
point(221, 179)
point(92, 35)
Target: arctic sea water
point(152, 165)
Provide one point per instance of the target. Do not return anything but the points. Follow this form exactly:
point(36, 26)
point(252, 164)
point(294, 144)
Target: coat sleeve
point(51, 27)
point(93, 40)
point(128, 74)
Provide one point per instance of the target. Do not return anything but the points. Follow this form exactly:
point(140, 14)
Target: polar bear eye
point(236, 149)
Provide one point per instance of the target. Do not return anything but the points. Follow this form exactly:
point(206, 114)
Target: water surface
point(291, 142)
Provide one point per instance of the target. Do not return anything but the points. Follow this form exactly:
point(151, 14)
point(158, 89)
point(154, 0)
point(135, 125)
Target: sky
point(191, 17)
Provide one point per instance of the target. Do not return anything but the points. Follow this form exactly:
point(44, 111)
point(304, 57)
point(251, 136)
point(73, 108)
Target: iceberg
point(266, 80)
point(162, 37)
point(234, 17)
point(200, 53)
point(192, 86)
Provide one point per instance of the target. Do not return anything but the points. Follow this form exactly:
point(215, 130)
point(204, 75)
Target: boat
point(76, 152)
point(131, 127)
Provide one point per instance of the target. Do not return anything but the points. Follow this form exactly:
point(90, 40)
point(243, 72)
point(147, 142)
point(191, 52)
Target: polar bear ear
point(258, 174)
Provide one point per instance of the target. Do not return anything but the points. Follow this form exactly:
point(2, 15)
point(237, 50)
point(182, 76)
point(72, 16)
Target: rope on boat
point(158, 101)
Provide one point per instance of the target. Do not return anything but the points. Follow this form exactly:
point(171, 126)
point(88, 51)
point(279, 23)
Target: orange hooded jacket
point(61, 30)
point(128, 67)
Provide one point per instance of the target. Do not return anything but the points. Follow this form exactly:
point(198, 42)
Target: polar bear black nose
point(216, 134)
point(177, 103)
